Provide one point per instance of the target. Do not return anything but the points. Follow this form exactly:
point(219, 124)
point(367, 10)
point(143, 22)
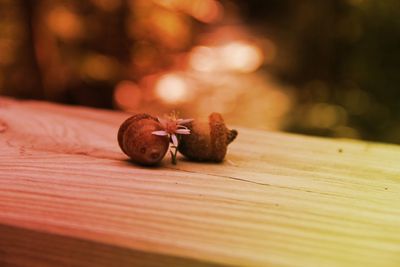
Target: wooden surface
point(69, 197)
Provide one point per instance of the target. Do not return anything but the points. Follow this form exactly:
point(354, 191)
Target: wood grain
point(69, 197)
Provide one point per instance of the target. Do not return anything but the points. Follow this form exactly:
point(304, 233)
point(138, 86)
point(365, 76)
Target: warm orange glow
point(144, 56)
point(235, 56)
point(171, 4)
point(7, 51)
point(107, 5)
point(203, 58)
point(127, 95)
point(207, 11)
point(172, 88)
point(64, 23)
point(99, 67)
point(171, 28)
point(241, 56)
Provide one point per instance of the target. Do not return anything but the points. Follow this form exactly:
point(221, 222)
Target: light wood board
point(70, 197)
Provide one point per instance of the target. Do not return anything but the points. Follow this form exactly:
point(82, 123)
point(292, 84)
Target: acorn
point(207, 141)
point(136, 140)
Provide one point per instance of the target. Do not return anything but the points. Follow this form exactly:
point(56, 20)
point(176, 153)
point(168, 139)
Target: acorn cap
point(136, 140)
point(207, 141)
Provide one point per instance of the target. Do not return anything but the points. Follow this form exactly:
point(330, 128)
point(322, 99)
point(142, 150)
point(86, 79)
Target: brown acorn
point(207, 141)
point(136, 140)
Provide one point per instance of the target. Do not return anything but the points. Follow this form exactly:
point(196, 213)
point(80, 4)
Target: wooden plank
point(69, 197)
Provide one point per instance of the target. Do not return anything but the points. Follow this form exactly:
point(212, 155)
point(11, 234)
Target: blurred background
point(328, 68)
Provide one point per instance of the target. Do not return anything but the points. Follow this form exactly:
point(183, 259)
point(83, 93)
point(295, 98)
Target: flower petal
point(184, 121)
point(174, 140)
point(182, 131)
point(160, 133)
point(182, 127)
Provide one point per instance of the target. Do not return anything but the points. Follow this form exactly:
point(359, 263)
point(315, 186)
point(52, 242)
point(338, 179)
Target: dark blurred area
point(328, 68)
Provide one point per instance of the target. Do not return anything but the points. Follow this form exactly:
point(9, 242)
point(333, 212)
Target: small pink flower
point(173, 126)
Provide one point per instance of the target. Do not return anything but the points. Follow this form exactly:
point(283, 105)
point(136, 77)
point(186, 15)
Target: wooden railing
point(70, 197)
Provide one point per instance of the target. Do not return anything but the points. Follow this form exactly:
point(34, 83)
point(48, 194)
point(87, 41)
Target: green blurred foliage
point(342, 55)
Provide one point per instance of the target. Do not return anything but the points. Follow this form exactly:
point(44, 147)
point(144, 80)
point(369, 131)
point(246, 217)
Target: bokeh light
point(204, 58)
point(64, 23)
point(127, 95)
point(241, 56)
point(99, 67)
point(206, 11)
point(235, 56)
point(172, 89)
point(278, 65)
point(170, 28)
